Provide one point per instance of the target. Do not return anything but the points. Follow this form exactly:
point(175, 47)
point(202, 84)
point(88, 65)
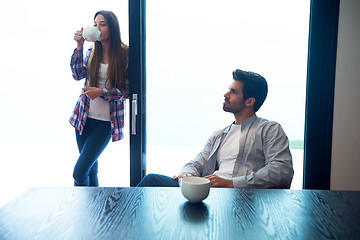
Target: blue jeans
point(157, 180)
point(91, 143)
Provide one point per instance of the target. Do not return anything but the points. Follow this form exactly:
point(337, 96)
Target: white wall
point(345, 166)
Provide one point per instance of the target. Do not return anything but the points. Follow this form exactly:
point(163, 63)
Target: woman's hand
point(79, 39)
point(92, 92)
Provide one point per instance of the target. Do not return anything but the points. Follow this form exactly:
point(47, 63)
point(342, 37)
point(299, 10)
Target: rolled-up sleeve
point(204, 164)
point(78, 64)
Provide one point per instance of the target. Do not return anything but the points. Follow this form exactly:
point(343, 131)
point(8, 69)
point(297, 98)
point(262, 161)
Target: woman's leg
point(91, 143)
point(93, 177)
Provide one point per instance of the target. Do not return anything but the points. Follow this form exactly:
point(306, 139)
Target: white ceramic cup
point(91, 34)
point(195, 189)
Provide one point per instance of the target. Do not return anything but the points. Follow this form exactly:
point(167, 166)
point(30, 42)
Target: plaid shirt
point(114, 96)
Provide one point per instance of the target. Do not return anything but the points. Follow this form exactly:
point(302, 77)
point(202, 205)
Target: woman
point(99, 112)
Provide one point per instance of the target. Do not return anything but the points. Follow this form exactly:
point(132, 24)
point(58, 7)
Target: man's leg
point(157, 180)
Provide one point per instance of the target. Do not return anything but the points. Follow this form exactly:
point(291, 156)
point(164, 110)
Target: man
point(250, 153)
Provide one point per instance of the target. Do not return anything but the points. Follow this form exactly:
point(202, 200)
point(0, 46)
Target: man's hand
point(216, 181)
point(92, 92)
point(184, 175)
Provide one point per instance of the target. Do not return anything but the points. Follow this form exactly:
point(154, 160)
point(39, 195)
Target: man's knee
point(157, 180)
point(147, 180)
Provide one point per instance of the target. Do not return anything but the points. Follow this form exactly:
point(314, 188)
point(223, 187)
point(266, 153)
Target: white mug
point(91, 34)
point(195, 189)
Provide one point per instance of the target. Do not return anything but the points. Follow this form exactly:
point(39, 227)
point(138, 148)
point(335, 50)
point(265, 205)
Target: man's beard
point(235, 109)
point(226, 109)
point(226, 106)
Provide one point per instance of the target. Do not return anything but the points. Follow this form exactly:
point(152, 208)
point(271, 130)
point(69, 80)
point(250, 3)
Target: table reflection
point(194, 212)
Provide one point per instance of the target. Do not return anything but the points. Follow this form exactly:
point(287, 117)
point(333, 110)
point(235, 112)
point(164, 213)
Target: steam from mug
point(91, 34)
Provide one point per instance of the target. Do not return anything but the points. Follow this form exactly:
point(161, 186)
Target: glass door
point(37, 143)
point(192, 49)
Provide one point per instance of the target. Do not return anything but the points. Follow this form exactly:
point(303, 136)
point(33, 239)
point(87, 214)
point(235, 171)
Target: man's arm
point(278, 170)
point(196, 167)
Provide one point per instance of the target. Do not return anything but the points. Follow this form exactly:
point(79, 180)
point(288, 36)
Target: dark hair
point(117, 69)
point(254, 85)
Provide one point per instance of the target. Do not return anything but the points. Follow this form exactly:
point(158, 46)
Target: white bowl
point(195, 189)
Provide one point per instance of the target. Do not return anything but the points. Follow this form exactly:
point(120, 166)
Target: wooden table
point(163, 213)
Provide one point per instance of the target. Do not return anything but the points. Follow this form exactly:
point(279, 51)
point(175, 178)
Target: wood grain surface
point(163, 213)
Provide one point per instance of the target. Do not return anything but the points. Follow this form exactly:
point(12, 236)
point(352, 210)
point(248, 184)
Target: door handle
point(134, 114)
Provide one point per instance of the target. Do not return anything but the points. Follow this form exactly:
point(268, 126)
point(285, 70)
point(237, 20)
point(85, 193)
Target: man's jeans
point(91, 143)
point(156, 180)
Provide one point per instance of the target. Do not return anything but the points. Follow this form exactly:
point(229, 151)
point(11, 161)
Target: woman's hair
point(117, 68)
point(254, 85)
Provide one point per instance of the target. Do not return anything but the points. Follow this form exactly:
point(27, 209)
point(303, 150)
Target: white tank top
point(99, 108)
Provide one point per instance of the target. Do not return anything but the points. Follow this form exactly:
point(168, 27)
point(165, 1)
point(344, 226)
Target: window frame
point(320, 84)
